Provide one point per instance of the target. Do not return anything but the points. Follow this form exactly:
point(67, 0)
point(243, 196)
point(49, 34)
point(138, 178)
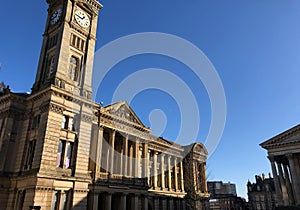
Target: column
point(145, 157)
point(181, 177)
point(204, 177)
point(283, 187)
point(137, 159)
point(171, 204)
point(112, 151)
point(108, 202)
point(276, 180)
point(95, 201)
point(125, 168)
point(99, 150)
point(169, 173)
point(175, 174)
point(288, 185)
point(123, 202)
point(145, 202)
point(155, 169)
point(295, 178)
point(162, 171)
point(134, 202)
point(130, 160)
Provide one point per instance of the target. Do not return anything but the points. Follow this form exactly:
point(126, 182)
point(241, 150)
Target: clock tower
point(66, 58)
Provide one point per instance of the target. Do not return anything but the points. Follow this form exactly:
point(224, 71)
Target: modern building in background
point(261, 193)
point(284, 155)
point(223, 196)
point(59, 150)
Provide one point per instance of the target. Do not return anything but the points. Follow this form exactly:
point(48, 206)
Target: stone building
point(60, 150)
point(261, 193)
point(223, 196)
point(284, 155)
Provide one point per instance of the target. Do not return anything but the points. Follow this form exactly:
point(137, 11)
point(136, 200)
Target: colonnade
point(286, 172)
point(123, 155)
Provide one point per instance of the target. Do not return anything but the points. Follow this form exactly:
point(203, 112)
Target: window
point(61, 199)
point(64, 154)
point(73, 72)
point(50, 65)
point(35, 122)
point(20, 199)
point(67, 123)
point(29, 154)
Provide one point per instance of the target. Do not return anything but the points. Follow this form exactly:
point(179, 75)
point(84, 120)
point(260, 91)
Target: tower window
point(64, 154)
point(77, 42)
point(67, 123)
point(29, 154)
point(35, 122)
point(73, 72)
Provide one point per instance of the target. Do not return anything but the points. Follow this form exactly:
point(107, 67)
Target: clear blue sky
point(254, 46)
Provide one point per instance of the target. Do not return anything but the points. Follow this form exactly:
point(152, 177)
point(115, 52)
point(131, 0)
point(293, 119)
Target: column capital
point(271, 158)
point(289, 156)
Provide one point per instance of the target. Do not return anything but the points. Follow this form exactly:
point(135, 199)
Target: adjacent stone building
point(60, 150)
point(223, 196)
point(284, 155)
point(261, 193)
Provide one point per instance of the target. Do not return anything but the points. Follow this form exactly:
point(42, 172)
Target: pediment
point(122, 111)
point(290, 136)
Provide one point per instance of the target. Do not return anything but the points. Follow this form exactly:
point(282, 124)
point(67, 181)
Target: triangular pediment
point(290, 136)
point(121, 110)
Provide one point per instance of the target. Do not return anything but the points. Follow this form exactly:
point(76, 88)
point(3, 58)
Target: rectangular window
point(60, 200)
point(64, 154)
point(67, 123)
point(35, 122)
point(20, 199)
point(29, 154)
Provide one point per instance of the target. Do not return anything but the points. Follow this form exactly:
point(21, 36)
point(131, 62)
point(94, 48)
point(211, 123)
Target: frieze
point(54, 108)
point(86, 118)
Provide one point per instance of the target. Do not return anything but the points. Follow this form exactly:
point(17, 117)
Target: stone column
point(134, 202)
point(130, 172)
point(175, 174)
point(145, 202)
point(95, 201)
point(288, 185)
point(162, 171)
point(282, 183)
point(169, 173)
point(123, 202)
point(145, 158)
point(295, 178)
point(276, 181)
point(125, 168)
point(99, 151)
point(181, 177)
point(137, 159)
point(155, 169)
point(204, 177)
point(171, 203)
point(108, 202)
point(112, 151)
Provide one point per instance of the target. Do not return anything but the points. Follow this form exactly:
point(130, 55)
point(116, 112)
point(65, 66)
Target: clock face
point(82, 19)
point(55, 16)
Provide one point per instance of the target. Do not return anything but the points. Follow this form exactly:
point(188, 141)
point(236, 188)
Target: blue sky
point(254, 46)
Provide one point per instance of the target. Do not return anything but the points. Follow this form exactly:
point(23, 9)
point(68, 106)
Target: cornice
point(281, 137)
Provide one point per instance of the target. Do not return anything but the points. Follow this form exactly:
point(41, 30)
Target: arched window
point(73, 72)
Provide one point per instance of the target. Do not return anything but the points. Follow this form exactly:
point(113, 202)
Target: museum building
point(60, 150)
